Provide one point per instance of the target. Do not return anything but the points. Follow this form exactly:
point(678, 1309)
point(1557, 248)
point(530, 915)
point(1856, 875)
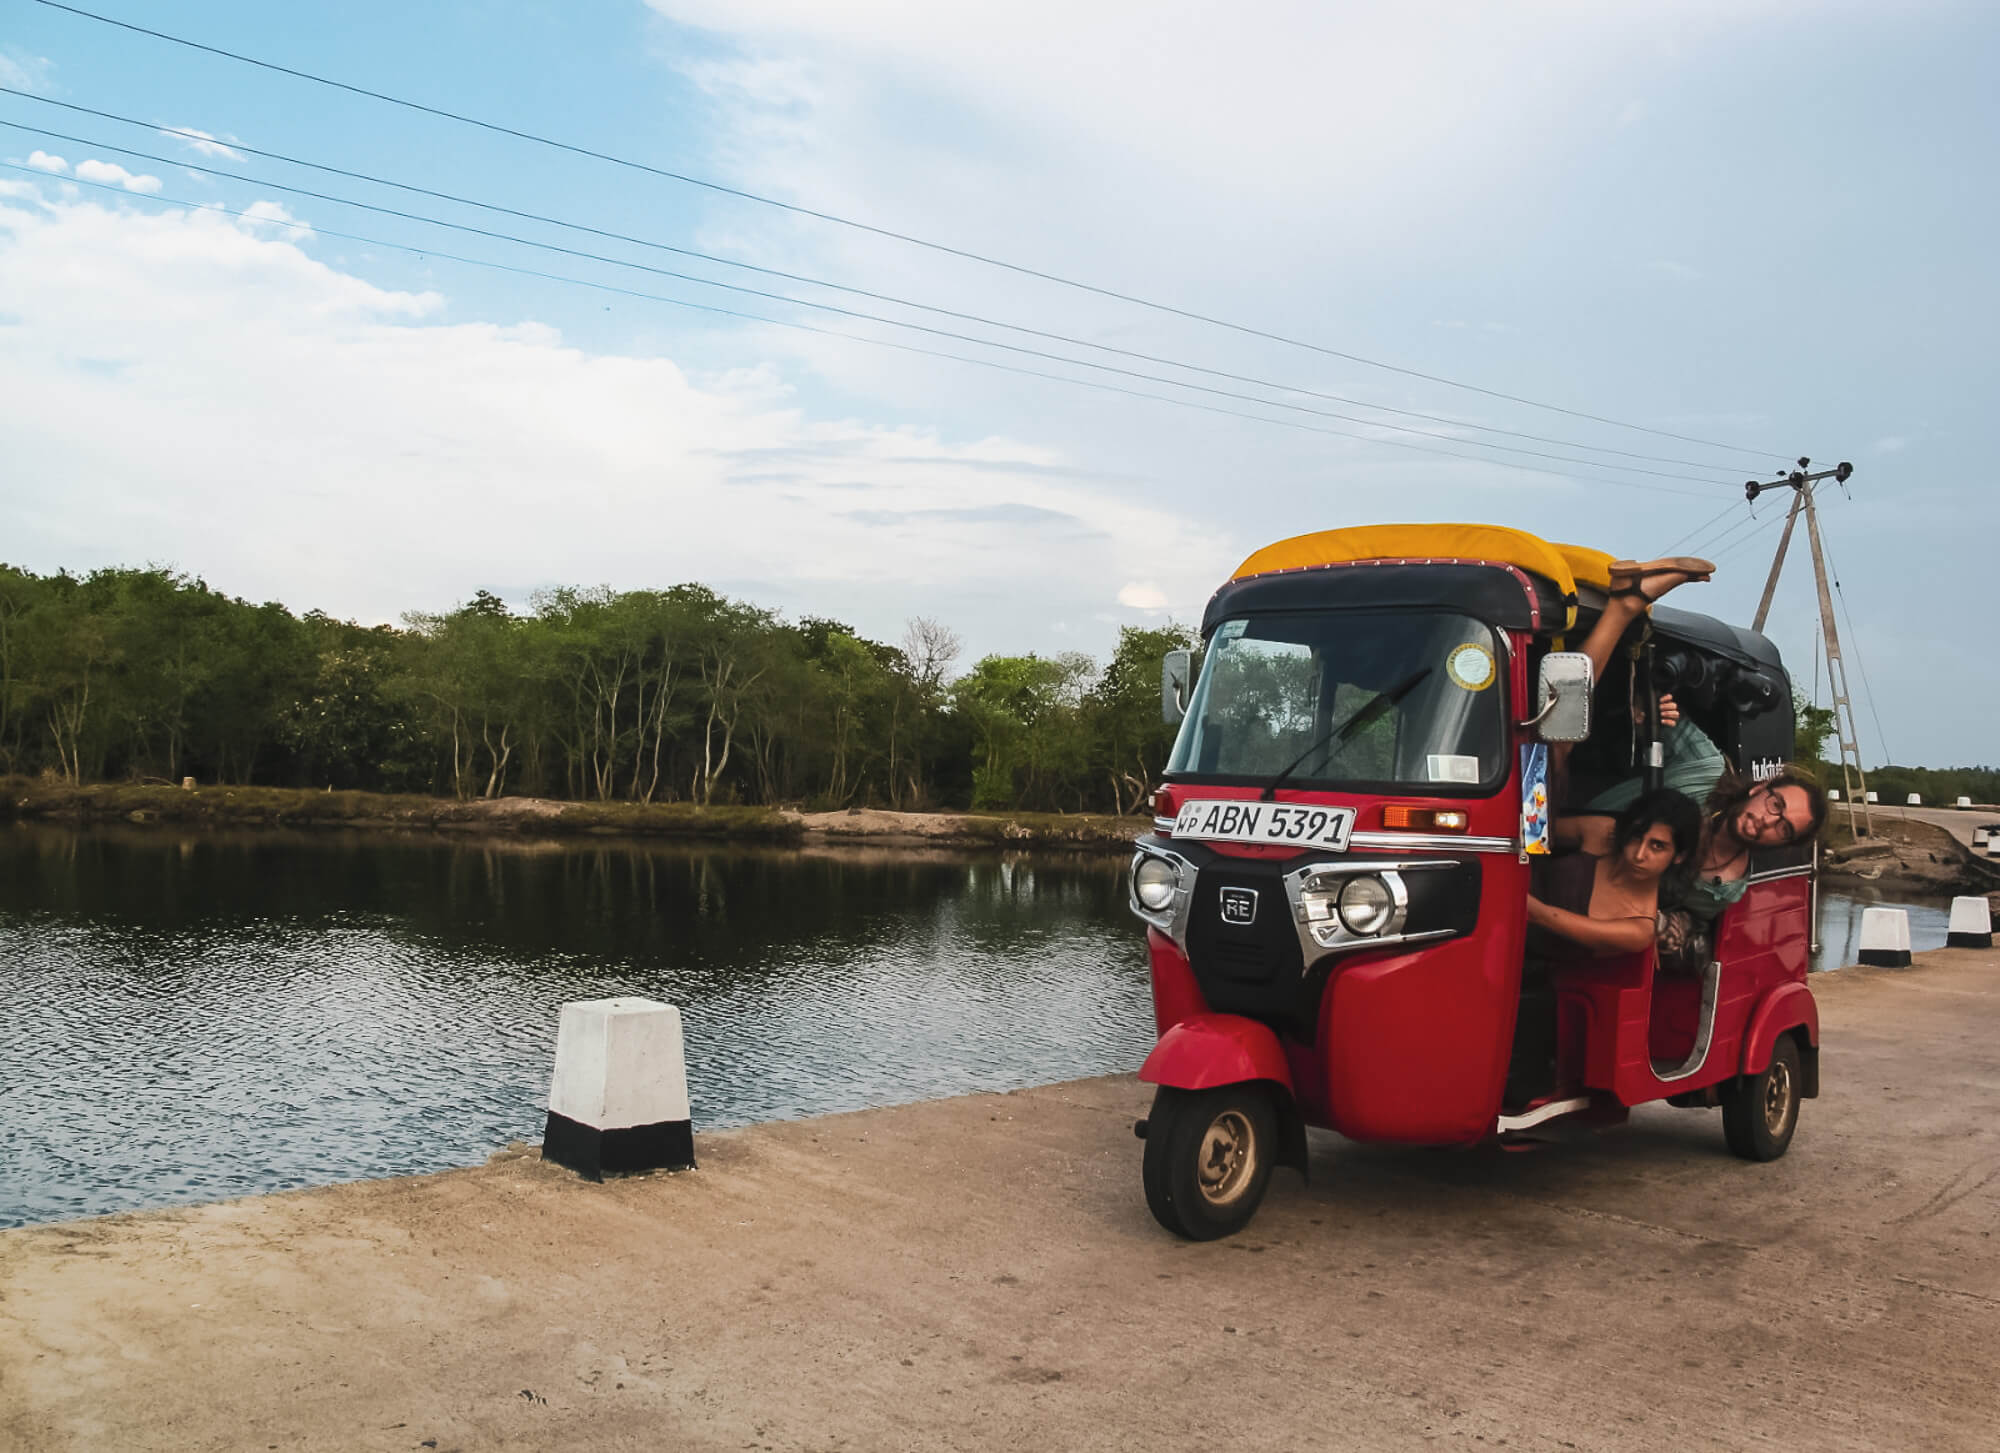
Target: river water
point(192, 1018)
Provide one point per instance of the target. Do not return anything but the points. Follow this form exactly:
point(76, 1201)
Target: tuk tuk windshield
point(1348, 699)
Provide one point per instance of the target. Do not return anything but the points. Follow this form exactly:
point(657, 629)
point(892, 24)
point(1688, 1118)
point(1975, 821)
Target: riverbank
point(259, 807)
point(982, 1273)
point(1903, 854)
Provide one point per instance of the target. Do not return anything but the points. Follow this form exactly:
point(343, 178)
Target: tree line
point(678, 694)
point(1937, 786)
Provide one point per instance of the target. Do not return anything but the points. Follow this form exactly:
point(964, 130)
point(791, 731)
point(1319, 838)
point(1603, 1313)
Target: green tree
point(1812, 728)
point(1131, 741)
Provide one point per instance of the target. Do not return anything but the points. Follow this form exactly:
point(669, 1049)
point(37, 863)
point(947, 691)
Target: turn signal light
point(1425, 819)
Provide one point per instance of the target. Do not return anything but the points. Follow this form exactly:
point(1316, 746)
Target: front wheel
point(1760, 1114)
point(1208, 1158)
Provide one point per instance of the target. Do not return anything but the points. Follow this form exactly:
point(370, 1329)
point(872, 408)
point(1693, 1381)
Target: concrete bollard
point(1885, 937)
point(1833, 794)
point(619, 1100)
point(1979, 836)
point(1993, 845)
point(1915, 800)
point(1963, 802)
point(187, 784)
point(1871, 795)
point(1971, 924)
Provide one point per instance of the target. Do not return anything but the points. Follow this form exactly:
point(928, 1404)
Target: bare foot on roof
point(1651, 579)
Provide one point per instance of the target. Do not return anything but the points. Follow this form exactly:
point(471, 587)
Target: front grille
point(1242, 963)
point(1252, 968)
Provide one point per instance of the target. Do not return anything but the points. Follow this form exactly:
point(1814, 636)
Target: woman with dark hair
point(1611, 904)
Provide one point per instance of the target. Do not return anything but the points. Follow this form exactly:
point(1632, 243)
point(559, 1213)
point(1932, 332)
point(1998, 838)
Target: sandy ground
point(876, 824)
point(982, 1273)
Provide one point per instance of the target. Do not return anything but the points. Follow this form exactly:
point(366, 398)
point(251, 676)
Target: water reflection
point(185, 1018)
point(1840, 922)
point(193, 1017)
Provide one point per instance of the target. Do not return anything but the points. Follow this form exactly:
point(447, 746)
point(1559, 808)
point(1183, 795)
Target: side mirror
point(1562, 698)
point(1175, 673)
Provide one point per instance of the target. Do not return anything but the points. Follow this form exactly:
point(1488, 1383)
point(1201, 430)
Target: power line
point(973, 339)
point(612, 288)
point(1698, 529)
point(503, 210)
point(1764, 528)
point(1855, 637)
point(1742, 542)
point(1729, 535)
point(904, 237)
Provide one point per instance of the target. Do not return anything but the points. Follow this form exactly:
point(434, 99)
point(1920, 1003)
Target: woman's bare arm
point(1602, 936)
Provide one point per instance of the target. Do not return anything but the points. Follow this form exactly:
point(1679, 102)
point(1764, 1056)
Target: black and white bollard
point(1915, 800)
point(1833, 794)
point(1872, 797)
point(619, 1099)
point(1963, 802)
point(1992, 843)
point(1971, 924)
point(1885, 937)
point(1979, 836)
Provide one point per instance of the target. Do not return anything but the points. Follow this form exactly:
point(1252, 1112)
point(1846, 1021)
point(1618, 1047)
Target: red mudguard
point(1207, 1050)
point(1786, 1007)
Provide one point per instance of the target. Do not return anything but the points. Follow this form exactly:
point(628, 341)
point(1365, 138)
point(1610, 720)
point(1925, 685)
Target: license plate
point(1287, 823)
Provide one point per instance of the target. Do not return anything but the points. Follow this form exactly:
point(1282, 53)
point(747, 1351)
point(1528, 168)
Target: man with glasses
point(1782, 810)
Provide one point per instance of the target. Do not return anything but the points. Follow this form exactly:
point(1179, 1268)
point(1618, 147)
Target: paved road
point(1959, 822)
point(981, 1273)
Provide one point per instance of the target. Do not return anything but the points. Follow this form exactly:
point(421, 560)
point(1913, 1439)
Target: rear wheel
point(1208, 1158)
point(1760, 1114)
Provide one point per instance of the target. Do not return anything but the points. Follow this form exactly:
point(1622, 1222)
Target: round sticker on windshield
point(1471, 666)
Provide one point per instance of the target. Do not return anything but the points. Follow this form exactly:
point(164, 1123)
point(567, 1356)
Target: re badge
point(1239, 905)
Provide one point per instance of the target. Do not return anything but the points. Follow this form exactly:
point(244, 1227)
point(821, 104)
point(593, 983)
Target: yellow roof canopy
point(1566, 565)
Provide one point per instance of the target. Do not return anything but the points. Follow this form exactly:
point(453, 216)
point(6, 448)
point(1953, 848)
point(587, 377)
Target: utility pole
point(1801, 483)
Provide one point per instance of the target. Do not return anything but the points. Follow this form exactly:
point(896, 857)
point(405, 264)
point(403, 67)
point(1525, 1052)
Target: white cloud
point(23, 72)
point(109, 173)
point(41, 161)
point(293, 432)
point(285, 224)
point(1142, 595)
point(1891, 444)
point(202, 143)
point(1185, 124)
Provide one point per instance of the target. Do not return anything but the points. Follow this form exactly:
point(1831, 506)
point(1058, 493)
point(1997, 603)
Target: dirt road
point(982, 1273)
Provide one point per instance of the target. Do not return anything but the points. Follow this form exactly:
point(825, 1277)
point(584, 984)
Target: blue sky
point(1766, 224)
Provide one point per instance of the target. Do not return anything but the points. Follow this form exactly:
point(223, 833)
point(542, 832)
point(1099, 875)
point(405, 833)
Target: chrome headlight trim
point(1323, 935)
point(1171, 919)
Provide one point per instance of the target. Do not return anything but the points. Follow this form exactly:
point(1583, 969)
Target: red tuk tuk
point(1335, 887)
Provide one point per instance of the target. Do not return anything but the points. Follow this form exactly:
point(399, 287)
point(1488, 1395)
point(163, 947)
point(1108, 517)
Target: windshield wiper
point(1363, 716)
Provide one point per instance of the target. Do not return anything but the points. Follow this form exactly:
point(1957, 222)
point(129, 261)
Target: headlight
point(1366, 904)
point(1154, 881)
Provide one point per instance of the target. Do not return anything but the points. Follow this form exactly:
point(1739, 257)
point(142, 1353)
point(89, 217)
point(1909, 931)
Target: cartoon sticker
point(1535, 799)
point(1471, 666)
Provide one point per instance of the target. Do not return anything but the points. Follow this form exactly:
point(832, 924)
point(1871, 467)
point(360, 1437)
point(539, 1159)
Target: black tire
point(1209, 1155)
point(1760, 1114)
